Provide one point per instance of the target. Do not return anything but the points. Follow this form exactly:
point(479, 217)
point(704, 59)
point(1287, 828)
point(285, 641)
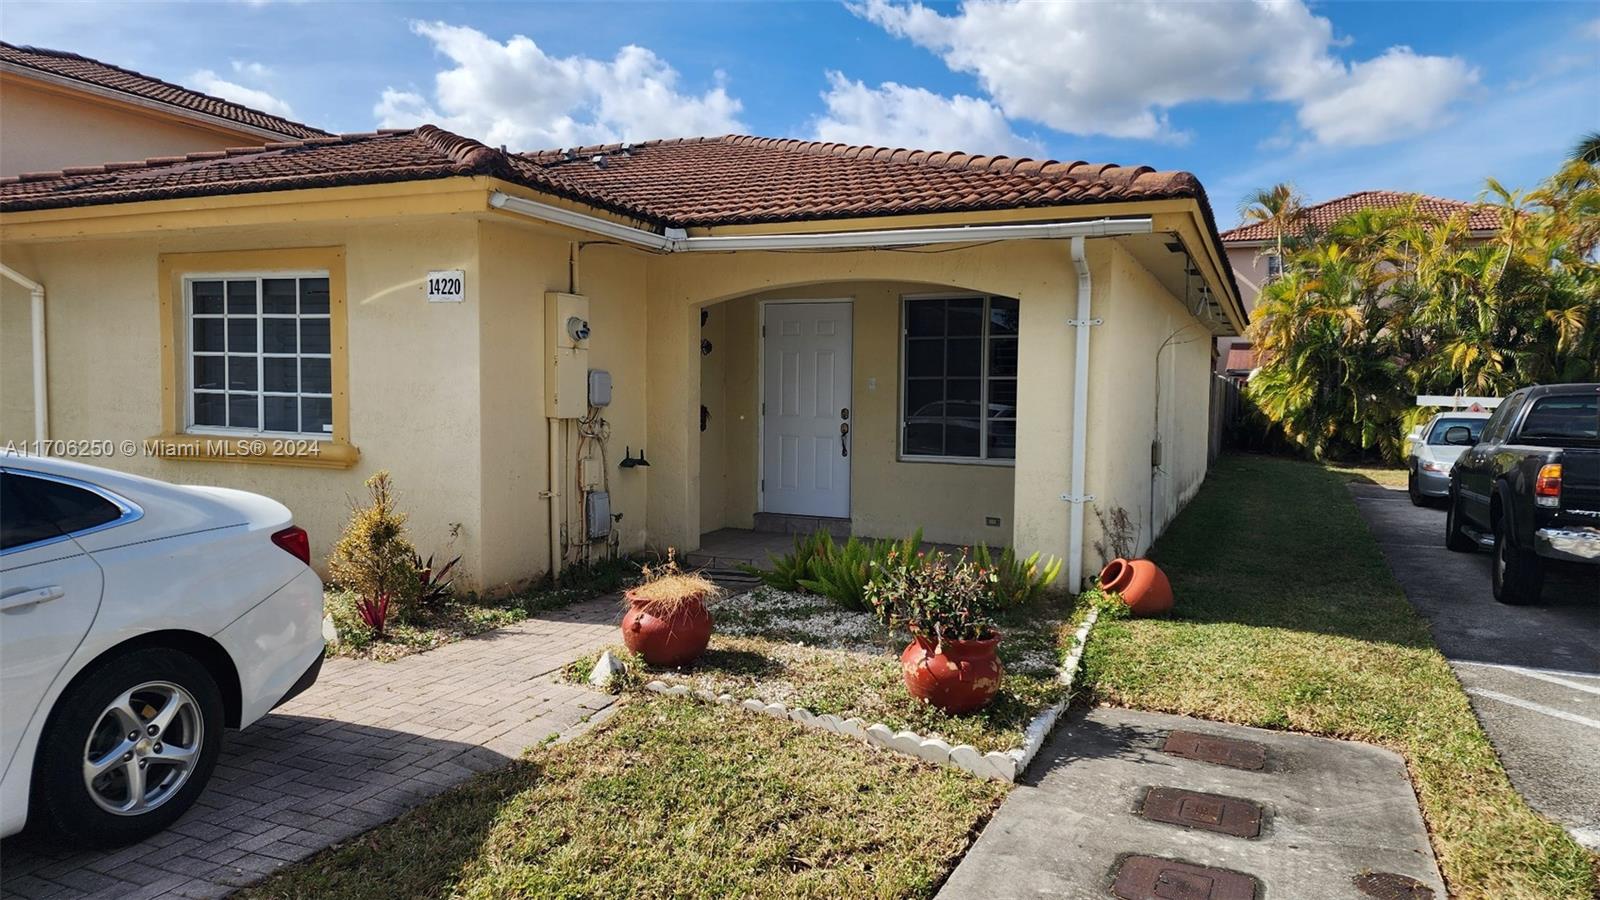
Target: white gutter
point(41, 386)
point(675, 241)
point(1080, 418)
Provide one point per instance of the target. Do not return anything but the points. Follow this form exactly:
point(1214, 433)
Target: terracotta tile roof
point(1241, 359)
point(1323, 215)
point(741, 180)
point(116, 78)
point(387, 156)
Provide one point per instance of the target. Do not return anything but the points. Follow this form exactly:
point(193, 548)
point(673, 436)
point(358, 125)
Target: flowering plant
point(935, 596)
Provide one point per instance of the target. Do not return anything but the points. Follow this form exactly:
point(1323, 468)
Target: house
point(1252, 248)
point(60, 109)
point(630, 345)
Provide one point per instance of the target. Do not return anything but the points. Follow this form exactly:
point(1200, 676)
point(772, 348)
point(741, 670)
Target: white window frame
point(186, 379)
point(983, 458)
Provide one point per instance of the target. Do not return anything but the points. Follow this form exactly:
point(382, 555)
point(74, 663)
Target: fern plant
point(1013, 581)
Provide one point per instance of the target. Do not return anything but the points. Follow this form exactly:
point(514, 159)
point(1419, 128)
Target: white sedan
point(138, 619)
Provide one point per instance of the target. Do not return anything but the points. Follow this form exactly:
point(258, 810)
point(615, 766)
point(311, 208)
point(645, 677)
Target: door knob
point(844, 430)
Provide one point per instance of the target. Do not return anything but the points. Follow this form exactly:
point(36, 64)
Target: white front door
point(806, 415)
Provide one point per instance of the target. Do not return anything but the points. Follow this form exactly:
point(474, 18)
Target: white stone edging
point(1000, 766)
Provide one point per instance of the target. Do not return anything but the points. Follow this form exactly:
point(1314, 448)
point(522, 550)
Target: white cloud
point(210, 82)
point(514, 93)
point(894, 115)
point(251, 69)
point(1117, 69)
point(1395, 95)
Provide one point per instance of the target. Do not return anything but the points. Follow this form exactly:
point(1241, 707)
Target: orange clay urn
point(672, 639)
point(963, 678)
point(1142, 584)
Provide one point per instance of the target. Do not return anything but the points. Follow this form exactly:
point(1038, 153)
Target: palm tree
point(1588, 149)
point(1279, 206)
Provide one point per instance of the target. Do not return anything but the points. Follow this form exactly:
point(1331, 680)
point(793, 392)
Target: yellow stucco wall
point(45, 130)
point(449, 397)
point(16, 361)
point(413, 370)
point(888, 497)
point(519, 265)
point(1149, 346)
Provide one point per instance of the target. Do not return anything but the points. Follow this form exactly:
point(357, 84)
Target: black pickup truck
point(1530, 488)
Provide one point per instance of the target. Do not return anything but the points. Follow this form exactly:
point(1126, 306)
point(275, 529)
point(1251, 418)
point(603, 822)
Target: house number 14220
point(447, 286)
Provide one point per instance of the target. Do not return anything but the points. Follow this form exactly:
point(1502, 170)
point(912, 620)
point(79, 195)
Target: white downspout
point(1080, 417)
point(555, 498)
point(41, 384)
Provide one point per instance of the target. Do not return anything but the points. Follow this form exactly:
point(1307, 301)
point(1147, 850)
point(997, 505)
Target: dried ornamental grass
point(666, 588)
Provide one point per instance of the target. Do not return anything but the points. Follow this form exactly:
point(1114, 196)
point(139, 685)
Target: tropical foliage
point(1391, 303)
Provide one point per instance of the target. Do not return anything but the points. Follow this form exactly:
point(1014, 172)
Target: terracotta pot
point(672, 640)
point(962, 679)
point(1142, 584)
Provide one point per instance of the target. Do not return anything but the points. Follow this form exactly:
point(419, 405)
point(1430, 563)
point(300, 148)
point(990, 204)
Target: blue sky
point(1419, 96)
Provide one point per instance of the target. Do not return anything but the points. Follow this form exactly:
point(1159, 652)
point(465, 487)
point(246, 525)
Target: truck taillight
point(1547, 487)
point(295, 542)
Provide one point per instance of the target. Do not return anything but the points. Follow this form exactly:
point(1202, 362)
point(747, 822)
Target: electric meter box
point(599, 387)
point(566, 360)
point(597, 514)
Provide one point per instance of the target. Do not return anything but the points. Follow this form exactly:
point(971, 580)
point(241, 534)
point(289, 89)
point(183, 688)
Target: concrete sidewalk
point(1124, 804)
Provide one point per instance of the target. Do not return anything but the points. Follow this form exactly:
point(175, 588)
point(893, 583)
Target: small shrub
point(373, 557)
point(840, 572)
point(935, 596)
point(433, 586)
point(374, 612)
point(1016, 582)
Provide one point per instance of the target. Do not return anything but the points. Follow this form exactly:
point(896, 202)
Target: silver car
point(1435, 447)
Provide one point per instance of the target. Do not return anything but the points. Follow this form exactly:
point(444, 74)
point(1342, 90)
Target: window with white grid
point(260, 354)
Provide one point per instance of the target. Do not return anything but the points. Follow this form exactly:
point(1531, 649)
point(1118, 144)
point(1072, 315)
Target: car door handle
point(31, 597)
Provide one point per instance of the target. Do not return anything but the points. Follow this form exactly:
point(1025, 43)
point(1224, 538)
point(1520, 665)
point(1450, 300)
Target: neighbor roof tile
point(1323, 215)
point(116, 78)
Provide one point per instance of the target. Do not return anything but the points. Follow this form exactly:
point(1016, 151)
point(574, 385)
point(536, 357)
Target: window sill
point(958, 461)
point(301, 452)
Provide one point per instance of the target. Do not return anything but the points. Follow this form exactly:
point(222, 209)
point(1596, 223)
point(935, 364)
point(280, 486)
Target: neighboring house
point(986, 348)
point(1252, 249)
point(60, 109)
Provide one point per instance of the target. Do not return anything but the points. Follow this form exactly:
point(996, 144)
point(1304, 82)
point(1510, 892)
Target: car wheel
point(1454, 538)
point(127, 748)
point(1517, 575)
point(1414, 490)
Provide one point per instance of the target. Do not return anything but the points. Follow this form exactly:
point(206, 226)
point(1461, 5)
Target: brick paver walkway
point(367, 742)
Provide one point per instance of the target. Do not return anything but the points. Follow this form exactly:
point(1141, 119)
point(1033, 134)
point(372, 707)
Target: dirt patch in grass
point(670, 799)
point(467, 615)
point(800, 650)
point(1288, 617)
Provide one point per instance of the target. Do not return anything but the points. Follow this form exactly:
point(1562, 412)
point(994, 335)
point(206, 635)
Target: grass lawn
point(1288, 618)
point(802, 650)
point(1387, 476)
point(670, 798)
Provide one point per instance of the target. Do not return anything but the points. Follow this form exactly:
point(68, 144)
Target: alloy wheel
point(143, 747)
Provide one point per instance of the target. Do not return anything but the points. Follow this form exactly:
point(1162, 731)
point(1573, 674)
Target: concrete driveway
point(367, 742)
point(1532, 673)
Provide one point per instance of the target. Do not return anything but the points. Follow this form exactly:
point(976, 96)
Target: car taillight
point(296, 542)
point(1547, 487)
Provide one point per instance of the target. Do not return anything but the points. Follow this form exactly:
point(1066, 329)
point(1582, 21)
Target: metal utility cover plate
point(1221, 751)
point(1211, 812)
point(1154, 878)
